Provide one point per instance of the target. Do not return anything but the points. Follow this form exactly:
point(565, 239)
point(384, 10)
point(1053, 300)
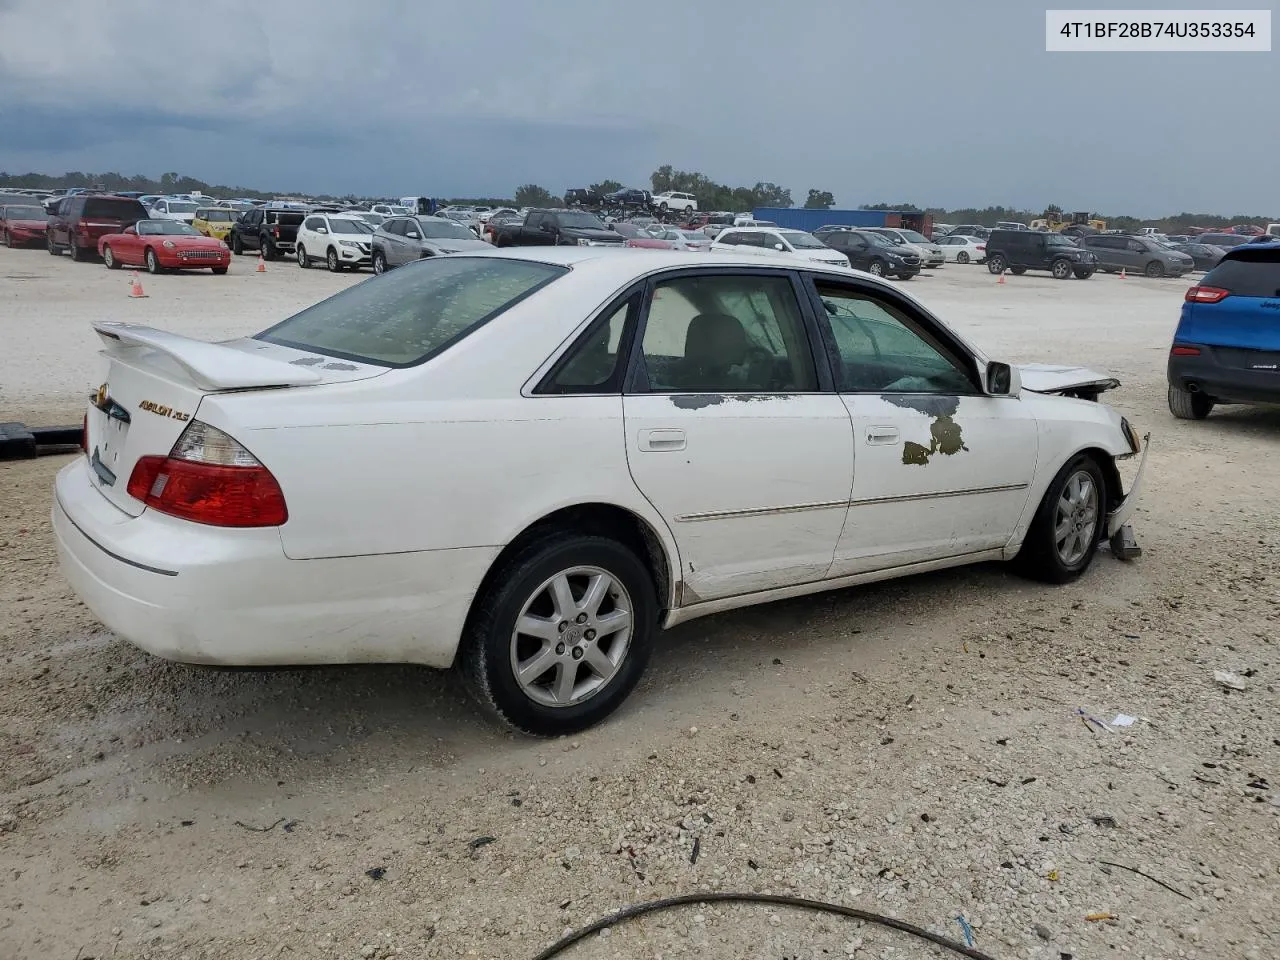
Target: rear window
point(285, 219)
point(408, 316)
point(1252, 273)
point(114, 209)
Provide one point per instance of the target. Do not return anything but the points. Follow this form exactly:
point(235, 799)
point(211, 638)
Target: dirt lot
point(911, 748)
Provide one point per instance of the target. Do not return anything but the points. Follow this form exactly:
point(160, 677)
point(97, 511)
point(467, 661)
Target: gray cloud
point(937, 103)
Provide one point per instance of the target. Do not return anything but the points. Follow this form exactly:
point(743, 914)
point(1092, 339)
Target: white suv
point(168, 208)
point(684, 202)
point(342, 241)
point(777, 242)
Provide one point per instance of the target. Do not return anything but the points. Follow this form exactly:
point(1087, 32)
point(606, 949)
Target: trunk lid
point(156, 380)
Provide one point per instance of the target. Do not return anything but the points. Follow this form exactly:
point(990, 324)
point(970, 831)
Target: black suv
point(580, 197)
point(873, 252)
point(272, 230)
point(76, 223)
point(1023, 250)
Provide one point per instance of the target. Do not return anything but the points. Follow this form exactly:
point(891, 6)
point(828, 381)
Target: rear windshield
point(25, 213)
point(114, 209)
point(216, 216)
point(285, 219)
point(409, 315)
point(1252, 273)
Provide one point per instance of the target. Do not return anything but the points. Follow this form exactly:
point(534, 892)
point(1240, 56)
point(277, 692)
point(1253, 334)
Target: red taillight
point(276, 232)
point(1185, 351)
point(209, 478)
point(1206, 295)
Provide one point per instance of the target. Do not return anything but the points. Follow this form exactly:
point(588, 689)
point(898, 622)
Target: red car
point(20, 225)
point(163, 245)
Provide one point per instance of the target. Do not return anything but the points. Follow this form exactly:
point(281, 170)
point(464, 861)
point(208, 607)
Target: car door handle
point(882, 434)
point(660, 440)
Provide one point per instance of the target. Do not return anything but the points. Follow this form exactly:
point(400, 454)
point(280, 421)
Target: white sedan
point(526, 462)
point(776, 242)
point(962, 249)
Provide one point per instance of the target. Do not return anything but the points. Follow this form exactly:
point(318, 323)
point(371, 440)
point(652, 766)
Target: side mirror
point(778, 246)
point(1003, 380)
point(322, 230)
point(414, 235)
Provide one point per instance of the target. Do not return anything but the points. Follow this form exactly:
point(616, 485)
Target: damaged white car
point(526, 462)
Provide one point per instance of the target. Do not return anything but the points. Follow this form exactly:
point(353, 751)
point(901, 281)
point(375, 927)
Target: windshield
point(166, 228)
point(913, 237)
point(444, 230)
point(25, 213)
point(1058, 240)
point(181, 206)
point(581, 221)
point(216, 216)
point(879, 239)
point(409, 315)
point(693, 236)
point(340, 225)
point(801, 240)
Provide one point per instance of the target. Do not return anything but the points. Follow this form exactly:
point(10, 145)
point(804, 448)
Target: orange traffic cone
point(1002, 273)
point(1122, 276)
point(262, 264)
point(135, 288)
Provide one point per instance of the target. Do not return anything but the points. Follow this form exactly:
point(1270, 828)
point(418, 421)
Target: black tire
point(267, 247)
point(1061, 269)
point(1017, 271)
point(51, 246)
point(73, 248)
point(1186, 405)
point(485, 658)
point(1040, 557)
point(300, 252)
point(237, 245)
point(379, 262)
point(332, 262)
point(1154, 270)
point(962, 256)
point(996, 263)
point(905, 276)
point(876, 268)
point(8, 239)
point(153, 264)
point(109, 258)
point(218, 271)
point(1083, 273)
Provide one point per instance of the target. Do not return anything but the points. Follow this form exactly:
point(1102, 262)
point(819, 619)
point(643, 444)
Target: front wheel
point(996, 263)
point(153, 264)
point(1017, 271)
point(562, 634)
point(51, 246)
point(379, 262)
point(331, 261)
point(237, 245)
point(268, 249)
point(301, 253)
point(1064, 533)
point(8, 239)
point(218, 271)
point(1186, 405)
point(109, 259)
point(1061, 269)
point(905, 276)
point(962, 257)
point(1155, 269)
point(73, 248)
point(1083, 273)
point(876, 268)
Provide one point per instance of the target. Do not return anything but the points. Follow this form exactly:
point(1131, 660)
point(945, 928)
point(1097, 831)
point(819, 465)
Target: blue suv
point(1227, 345)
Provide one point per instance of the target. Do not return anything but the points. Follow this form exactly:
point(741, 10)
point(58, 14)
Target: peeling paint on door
point(945, 433)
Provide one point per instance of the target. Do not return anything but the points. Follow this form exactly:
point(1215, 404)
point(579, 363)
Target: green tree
point(605, 186)
point(532, 195)
point(819, 200)
point(1053, 212)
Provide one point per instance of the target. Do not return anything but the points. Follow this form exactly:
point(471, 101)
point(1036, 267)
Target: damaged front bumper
point(1123, 543)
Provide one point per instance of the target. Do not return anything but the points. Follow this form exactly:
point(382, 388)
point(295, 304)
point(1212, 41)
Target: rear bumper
point(209, 595)
point(1207, 374)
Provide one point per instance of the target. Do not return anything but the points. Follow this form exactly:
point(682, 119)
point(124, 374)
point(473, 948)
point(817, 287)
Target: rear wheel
point(8, 239)
point(996, 263)
point(1186, 405)
point(561, 635)
point(153, 264)
point(51, 246)
point(1155, 269)
point(268, 248)
point(109, 259)
point(237, 245)
point(1061, 269)
point(962, 257)
point(1064, 533)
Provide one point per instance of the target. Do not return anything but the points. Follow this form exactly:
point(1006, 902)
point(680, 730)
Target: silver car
point(1116, 252)
point(931, 255)
point(401, 240)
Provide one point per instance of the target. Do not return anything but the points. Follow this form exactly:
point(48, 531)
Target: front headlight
point(349, 243)
point(169, 244)
point(224, 246)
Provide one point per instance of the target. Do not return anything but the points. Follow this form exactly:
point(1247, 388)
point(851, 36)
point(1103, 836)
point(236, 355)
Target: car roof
point(758, 230)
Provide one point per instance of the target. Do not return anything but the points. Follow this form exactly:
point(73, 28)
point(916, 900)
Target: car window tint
point(415, 312)
point(883, 350)
point(727, 334)
point(1255, 273)
point(592, 365)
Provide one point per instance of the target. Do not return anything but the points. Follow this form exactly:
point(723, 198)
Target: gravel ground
point(911, 748)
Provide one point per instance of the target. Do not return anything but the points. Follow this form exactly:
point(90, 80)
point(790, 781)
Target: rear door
point(732, 433)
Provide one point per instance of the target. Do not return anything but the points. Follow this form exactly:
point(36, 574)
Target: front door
point(942, 469)
point(730, 436)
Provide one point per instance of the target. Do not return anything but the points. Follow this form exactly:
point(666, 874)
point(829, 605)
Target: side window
point(733, 238)
point(882, 349)
point(1137, 246)
point(727, 334)
point(595, 363)
point(771, 241)
point(313, 223)
point(534, 221)
point(395, 227)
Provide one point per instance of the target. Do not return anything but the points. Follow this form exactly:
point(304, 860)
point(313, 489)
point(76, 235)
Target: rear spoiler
point(212, 366)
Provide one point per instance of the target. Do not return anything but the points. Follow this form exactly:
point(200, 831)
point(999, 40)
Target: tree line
point(710, 196)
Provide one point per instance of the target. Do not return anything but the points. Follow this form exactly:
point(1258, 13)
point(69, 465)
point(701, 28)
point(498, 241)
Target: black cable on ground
point(654, 906)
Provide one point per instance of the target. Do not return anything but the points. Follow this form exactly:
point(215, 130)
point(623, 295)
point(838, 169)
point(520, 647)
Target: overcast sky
point(932, 102)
